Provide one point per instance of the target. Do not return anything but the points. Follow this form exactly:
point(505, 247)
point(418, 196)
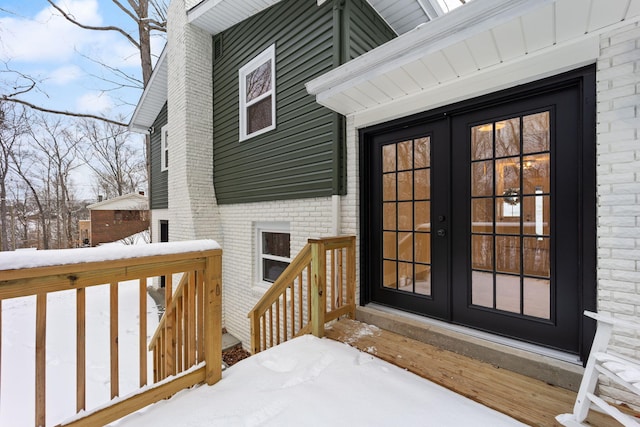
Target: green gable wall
point(158, 192)
point(304, 155)
point(365, 28)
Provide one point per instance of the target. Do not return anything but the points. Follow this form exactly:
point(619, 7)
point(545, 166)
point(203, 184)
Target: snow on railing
point(40, 273)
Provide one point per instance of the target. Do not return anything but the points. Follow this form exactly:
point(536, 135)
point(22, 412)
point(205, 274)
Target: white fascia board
point(459, 24)
point(528, 68)
point(155, 93)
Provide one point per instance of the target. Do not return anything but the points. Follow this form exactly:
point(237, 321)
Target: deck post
point(351, 277)
point(318, 286)
point(213, 318)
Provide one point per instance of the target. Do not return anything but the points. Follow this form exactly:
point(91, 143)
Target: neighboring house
point(117, 218)
point(512, 126)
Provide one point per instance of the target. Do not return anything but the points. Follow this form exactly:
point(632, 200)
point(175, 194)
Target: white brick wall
point(192, 205)
point(307, 218)
point(618, 176)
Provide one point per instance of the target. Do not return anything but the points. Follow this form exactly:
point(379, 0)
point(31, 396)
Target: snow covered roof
point(130, 202)
point(468, 52)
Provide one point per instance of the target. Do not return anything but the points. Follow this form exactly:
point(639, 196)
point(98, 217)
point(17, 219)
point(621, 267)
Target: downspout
point(340, 49)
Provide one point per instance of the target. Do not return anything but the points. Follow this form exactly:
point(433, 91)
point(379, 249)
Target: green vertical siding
point(158, 192)
point(305, 155)
point(295, 159)
point(365, 28)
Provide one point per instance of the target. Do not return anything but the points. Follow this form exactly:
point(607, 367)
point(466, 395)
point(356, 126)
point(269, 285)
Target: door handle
point(441, 232)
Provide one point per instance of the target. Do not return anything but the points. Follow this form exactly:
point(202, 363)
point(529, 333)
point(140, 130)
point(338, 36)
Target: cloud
point(48, 37)
point(63, 75)
point(94, 102)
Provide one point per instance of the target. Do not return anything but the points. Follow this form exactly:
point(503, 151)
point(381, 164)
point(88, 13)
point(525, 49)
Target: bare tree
point(149, 17)
point(119, 166)
point(11, 127)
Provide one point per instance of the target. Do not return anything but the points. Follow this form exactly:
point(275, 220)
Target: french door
point(476, 217)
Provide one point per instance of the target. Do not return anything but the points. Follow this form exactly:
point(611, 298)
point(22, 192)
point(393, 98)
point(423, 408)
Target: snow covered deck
point(528, 400)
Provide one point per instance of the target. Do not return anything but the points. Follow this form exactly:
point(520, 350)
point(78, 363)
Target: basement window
point(273, 250)
point(257, 95)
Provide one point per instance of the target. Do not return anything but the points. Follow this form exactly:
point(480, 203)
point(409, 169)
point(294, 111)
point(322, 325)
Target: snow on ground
point(317, 382)
point(17, 394)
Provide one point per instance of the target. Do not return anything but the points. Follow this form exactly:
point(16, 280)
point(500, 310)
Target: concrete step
point(554, 368)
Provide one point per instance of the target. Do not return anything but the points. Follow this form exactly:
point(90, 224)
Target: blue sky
point(39, 43)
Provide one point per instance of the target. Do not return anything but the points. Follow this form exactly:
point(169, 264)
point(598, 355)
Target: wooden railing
point(79, 269)
point(317, 287)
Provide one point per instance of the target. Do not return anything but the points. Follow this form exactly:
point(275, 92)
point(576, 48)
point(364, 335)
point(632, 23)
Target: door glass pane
point(405, 185)
point(422, 216)
point(482, 215)
point(482, 142)
point(389, 274)
point(405, 216)
point(482, 179)
point(511, 215)
point(423, 248)
point(482, 252)
point(405, 276)
point(537, 214)
point(482, 289)
point(423, 279)
point(508, 137)
point(389, 187)
point(389, 158)
point(405, 155)
point(508, 254)
point(537, 257)
point(405, 246)
point(508, 293)
point(537, 297)
point(389, 216)
point(389, 245)
point(421, 153)
point(536, 173)
point(535, 132)
point(422, 184)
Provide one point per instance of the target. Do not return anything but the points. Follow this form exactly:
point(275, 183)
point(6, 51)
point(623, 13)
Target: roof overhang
point(131, 201)
point(480, 47)
point(153, 98)
point(215, 16)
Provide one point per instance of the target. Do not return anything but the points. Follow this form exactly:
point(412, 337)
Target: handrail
point(307, 294)
point(78, 269)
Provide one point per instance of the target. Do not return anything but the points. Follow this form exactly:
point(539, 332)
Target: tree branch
point(90, 27)
point(64, 113)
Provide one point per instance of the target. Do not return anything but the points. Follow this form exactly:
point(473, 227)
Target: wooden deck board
point(528, 400)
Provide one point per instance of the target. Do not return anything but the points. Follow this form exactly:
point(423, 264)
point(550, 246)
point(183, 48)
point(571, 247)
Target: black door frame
point(584, 80)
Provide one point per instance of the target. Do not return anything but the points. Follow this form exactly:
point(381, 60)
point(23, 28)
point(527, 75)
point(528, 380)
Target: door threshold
point(549, 365)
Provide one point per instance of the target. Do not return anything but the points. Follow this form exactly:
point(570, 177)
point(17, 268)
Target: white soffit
point(215, 16)
point(472, 40)
point(153, 98)
point(405, 15)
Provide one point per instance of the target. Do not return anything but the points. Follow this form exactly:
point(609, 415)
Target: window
point(164, 137)
point(257, 95)
point(274, 251)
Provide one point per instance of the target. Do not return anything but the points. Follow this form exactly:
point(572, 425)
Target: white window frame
point(164, 148)
point(266, 55)
point(268, 227)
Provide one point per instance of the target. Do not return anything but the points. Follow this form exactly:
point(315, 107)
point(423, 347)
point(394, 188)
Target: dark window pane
point(508, 254)
point(482, 215)
point(482, 179)
point(276, 244)
point(259, 115)
point(271, 269)
point(421, 154)
point(536, 174)
point(389, 158)
point(405, 155)
point(259, 81)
